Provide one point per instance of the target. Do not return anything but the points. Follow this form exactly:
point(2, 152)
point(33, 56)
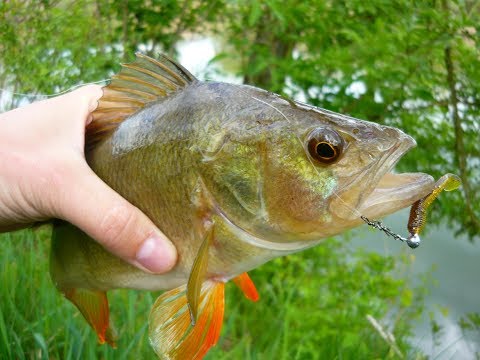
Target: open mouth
point(379, 191)
point(395, 192)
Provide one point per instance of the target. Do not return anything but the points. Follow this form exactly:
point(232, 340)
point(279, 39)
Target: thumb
point(117, 225)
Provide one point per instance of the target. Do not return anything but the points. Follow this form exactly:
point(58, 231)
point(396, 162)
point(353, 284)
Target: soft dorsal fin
point(137, 84)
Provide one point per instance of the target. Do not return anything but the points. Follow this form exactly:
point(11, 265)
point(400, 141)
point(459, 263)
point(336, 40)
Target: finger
point(45, 119)
point(85, 97)
point(118, 226)
point(78, 106)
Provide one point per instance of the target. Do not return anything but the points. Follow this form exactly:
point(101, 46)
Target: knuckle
point(117, 226)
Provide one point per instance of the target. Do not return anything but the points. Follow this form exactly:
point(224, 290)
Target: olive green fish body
point(159, 159)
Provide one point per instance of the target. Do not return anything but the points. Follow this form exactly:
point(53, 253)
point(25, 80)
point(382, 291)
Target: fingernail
point(89, 119)
point(157, 254)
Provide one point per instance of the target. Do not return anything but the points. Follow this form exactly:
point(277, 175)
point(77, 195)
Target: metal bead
point(413, 241)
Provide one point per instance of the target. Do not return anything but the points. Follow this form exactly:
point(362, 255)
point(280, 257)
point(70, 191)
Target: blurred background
point(410, 64)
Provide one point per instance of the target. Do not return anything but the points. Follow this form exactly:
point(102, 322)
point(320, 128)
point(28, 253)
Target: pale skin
point(44, 175)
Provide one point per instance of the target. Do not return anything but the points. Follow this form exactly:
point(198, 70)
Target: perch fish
point(235, 176)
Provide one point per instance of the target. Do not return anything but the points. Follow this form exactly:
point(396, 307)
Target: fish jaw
point(387, 192)
point(395, 192)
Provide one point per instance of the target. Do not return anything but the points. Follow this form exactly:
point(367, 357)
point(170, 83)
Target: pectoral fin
point(171, 333)
point(197, 275)
point(247, 286)
point(94, 307)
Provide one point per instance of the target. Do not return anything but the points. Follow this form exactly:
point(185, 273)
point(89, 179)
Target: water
point(453, 284)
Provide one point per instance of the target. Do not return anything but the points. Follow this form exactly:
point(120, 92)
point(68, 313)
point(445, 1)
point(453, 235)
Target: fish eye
point(325, 145)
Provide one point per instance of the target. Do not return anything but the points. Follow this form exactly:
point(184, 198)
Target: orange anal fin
point(171, 333)
point(247, 286)
point(94, 307)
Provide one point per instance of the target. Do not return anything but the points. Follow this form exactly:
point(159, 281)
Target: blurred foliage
point(410, 64)
point(470, 325)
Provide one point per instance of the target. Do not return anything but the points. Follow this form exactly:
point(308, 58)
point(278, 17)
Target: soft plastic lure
point(418, 211)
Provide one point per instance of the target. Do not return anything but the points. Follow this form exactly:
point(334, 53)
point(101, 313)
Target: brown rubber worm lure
point(418, 211)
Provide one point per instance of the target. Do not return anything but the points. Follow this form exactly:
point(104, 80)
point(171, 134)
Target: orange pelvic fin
point(247, 286)
point(171, 332)
point(197, 275)
point(94, 307)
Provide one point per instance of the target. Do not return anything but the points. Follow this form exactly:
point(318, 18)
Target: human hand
point(44, 175)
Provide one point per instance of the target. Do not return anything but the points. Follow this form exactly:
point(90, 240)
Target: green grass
point(313, 306)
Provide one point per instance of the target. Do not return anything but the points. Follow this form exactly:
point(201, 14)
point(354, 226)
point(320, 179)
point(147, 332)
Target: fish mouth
point(395, 191)
point(380, 191)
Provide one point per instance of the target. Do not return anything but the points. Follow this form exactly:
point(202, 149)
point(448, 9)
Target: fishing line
point(412, 242)
point(55, 94)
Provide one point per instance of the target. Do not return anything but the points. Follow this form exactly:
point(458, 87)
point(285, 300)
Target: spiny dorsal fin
point(137, 84)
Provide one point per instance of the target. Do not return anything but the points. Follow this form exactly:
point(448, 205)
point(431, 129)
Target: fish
point(235, 176)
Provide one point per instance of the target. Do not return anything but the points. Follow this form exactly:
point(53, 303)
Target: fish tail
point(171, 332)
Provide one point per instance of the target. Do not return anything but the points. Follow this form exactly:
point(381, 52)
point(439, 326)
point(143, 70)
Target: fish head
point(298, 173)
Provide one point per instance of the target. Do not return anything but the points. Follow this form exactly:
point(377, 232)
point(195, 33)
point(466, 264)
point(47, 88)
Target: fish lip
point(369, 195)
point(395, 191)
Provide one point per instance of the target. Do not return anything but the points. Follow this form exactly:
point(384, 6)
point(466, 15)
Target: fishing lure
point(418, 211)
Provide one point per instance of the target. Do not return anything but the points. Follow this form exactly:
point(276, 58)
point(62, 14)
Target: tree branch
point(461, 157)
